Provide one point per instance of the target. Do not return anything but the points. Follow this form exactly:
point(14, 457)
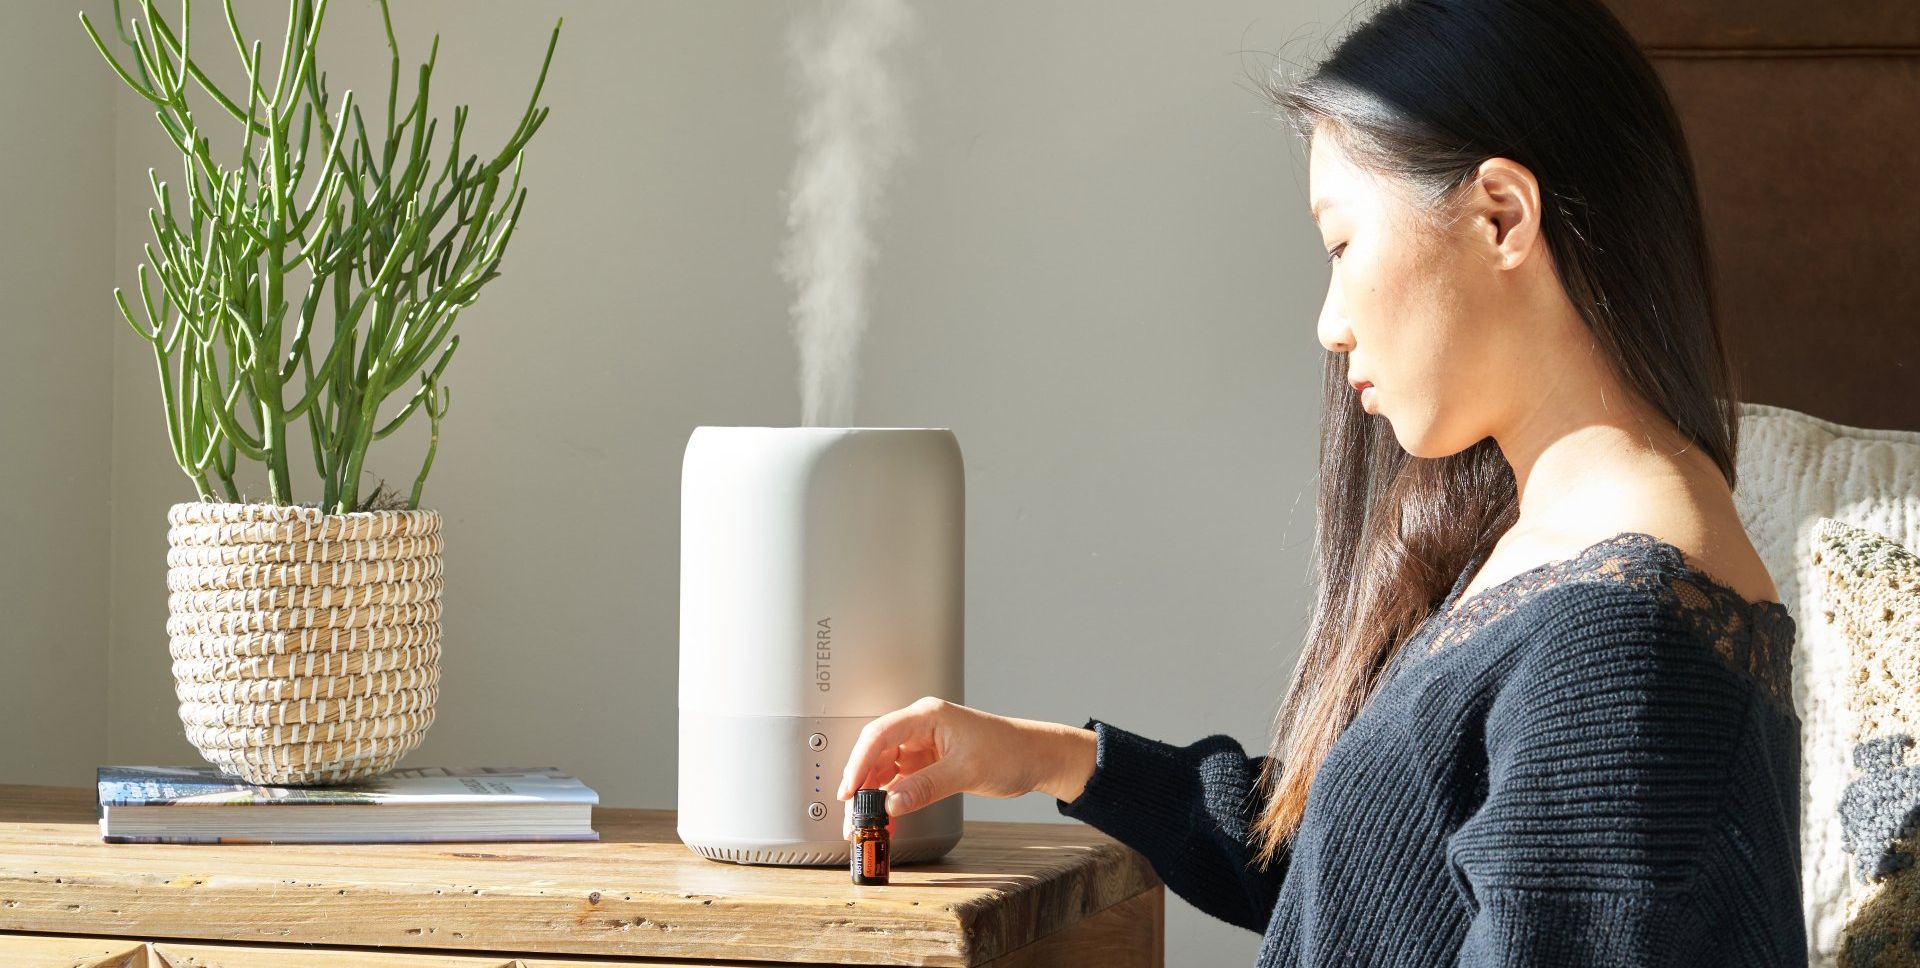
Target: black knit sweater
point(1596, 762)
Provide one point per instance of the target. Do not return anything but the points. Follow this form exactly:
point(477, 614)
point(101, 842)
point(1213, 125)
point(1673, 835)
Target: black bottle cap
point(870, 805)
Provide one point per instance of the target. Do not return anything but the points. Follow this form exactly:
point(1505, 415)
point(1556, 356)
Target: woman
point(1543, 715)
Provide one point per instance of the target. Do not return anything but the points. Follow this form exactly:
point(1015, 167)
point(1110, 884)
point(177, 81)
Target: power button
point(817, 742)
point(817, 810)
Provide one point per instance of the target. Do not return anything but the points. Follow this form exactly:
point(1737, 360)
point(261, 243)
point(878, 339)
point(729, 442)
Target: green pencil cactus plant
point(315, 216)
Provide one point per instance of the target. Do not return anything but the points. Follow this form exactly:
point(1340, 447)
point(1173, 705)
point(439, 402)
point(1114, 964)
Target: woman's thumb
point(930, 784)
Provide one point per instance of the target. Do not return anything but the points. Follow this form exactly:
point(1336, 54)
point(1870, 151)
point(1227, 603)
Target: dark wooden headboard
point(1803, 120)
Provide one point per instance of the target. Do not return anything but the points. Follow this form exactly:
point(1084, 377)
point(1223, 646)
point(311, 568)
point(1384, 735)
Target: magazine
point(200, 804)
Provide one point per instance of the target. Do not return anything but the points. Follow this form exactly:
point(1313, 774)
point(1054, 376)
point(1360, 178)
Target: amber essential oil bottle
point(870, 838)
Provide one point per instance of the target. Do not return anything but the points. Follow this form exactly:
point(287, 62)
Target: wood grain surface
point(638, 892)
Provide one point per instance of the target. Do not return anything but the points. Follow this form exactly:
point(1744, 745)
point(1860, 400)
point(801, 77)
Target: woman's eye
point(1336, 252)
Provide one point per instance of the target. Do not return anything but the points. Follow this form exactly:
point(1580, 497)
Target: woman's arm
point(1188, 809)
point(1073, 754)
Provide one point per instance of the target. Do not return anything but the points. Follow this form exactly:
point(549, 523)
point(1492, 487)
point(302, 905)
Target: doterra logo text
point(823, 655)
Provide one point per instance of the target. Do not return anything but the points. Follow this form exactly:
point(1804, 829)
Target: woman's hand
point(932, 749)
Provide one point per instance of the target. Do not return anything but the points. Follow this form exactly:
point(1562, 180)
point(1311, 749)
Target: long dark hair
point(1424, 91)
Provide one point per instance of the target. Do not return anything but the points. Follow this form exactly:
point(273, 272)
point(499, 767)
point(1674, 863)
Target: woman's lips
point(1366, 397)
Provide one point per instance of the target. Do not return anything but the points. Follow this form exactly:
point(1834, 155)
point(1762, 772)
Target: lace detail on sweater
point(1754, 638)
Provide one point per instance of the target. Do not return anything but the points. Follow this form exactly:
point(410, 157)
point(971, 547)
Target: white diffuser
point(821, 585)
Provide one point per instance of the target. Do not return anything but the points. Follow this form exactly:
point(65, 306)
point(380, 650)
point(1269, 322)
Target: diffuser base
point(754, 787)
point(824, 854)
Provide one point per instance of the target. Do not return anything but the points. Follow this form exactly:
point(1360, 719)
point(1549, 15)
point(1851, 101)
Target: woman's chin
point(1428, 444)
point(1417, 440)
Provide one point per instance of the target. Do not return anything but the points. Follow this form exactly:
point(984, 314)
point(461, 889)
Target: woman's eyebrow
point(1320, 204)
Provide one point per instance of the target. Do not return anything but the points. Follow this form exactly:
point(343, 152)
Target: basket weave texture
point(306, 645)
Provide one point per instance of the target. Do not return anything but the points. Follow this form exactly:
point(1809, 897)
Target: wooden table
point(1011, 895)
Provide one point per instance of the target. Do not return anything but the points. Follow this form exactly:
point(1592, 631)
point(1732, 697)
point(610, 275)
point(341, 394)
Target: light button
point(817, 742)
point(817, 810)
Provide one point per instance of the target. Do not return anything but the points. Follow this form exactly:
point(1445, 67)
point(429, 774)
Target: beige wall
point(1095, 266)
point(56, 394)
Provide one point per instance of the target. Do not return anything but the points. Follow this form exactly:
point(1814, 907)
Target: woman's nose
point(1334, 333)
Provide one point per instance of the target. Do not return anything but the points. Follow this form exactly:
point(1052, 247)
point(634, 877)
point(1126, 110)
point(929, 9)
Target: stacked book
point(201, 805)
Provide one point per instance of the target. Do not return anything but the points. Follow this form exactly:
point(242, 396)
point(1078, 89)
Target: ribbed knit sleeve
point(1615, 749)
point(1189, 810)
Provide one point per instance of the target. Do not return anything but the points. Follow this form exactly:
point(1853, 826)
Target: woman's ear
point(1505, 208)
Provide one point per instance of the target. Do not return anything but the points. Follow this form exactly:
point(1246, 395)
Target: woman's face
point(1427, 315)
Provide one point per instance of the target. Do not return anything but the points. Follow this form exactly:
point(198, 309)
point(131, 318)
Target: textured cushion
point(1793, 470)
point(1871, 588)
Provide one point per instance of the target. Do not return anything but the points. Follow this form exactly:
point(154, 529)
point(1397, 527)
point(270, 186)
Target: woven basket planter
point(306, 645)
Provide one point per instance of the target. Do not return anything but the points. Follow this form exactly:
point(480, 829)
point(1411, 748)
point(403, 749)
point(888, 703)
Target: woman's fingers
point(885, 765)
point(919, 788)
point(900, 752)
point(874, 756)
point(910, 759)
